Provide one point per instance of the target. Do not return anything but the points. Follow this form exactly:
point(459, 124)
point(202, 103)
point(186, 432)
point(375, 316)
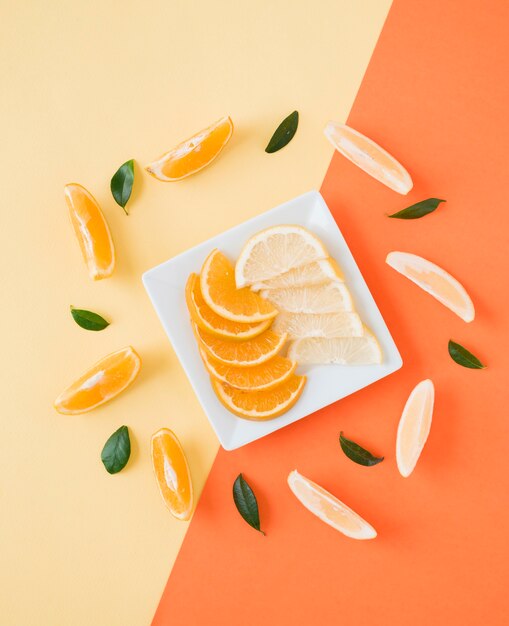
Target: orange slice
point(260, 405)
point(414, 426)
point(369, 156)
point(217, 282)
point(315, 273)
point(172, 473)
point(208, 320)
point(257, 378)
point(92, 231)
point(102, 382)
point(435, 281)
point(241, 353)
point(194, 154)
point(326, 298)
point(328, 508)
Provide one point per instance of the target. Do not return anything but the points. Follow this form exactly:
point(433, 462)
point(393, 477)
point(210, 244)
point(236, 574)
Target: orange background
point(436, 96)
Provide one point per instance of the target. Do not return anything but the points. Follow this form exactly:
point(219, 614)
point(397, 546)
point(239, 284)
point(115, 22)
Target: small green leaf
point(88, 320)
point(357, 454)
point(463, 357)
point(116, 451)
point(245, 501)
point(122, 184)
point(283, 133)
point(420, 209)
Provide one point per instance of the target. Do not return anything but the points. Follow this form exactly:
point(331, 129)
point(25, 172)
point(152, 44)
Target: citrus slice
point(436, 281)
point(260, 405)
point(172, 473)
point(315, 273)
point(213, 323)
point(414, 426)
point(257, 378)
point(328, 508)
point(194, 154)
point(363, 350)
point(217, 282)
point(298, 325)
point(102, 382)
point(91, 230)
point(277, 250)
point(369, 156)
point(326, 298)
point(241, 353)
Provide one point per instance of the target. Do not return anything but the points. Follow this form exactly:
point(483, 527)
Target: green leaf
point(122, 184)
point(116, 451)
point(463, 357)
point(420, 209)
point(284, 133)
point(357, 454)
point(88, 320)
point(245, 501)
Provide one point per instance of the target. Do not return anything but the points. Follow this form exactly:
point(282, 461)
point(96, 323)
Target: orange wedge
point(414, 426)
point(217, 282)
point(92, 231)
point(257, 378)
point(102, 382)
point(434, 280)
point(194, 154)
point(369, 156)
point(241, 353)
point(208, 320)
point(172, 473)
point(260, 405)
point(328, 508)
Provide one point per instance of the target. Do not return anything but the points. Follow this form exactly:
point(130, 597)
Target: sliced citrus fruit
point(257, 378)
point(194, 154)
point(326, 298)
point(369, 156)
point(260, 405)
point(217, 282)
point(363, 350)
point(328, 508)
point(436, 281)
point(414, 426)
point(102, 382)
point(315, 273)
point(92, 231)
point(172, 473)
point(213, 323)
point(241, 353)
point(298, 325)
point(277, 250)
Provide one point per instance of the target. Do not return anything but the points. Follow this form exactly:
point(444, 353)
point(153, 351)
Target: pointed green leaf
point(88, 320)
point(116, 451)
point(357, 454)
point(122, 184)
point(463, 357)
point(283, 133)
point(420, 209)
point(245, 501)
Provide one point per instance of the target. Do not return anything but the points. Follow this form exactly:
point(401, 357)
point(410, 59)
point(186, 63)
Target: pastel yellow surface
point(86, 86)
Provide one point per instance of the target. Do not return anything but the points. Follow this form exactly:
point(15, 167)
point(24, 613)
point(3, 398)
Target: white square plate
point(326, 384)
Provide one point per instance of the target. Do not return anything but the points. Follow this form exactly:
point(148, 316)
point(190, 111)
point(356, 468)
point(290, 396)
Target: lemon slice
point(363, 350)
point(315, 273)
point(326, 298)
point(299, 325)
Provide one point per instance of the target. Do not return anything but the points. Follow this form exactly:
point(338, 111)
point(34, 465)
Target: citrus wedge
point(328, 508)
point(102, 382)
point(363, 350)
point(326, 298)
point(91, 230)
point(299, 325)
point(260, 405)
point(217, 282)
point(414, 426)
point(257, 378)
point(213, 323)
point(315, 273)
point(434, 280)
point(241, 353)
point(277, 250)
point(172, 473)
point(194, 154)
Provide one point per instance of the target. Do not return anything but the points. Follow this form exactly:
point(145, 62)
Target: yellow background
point(86, 86)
